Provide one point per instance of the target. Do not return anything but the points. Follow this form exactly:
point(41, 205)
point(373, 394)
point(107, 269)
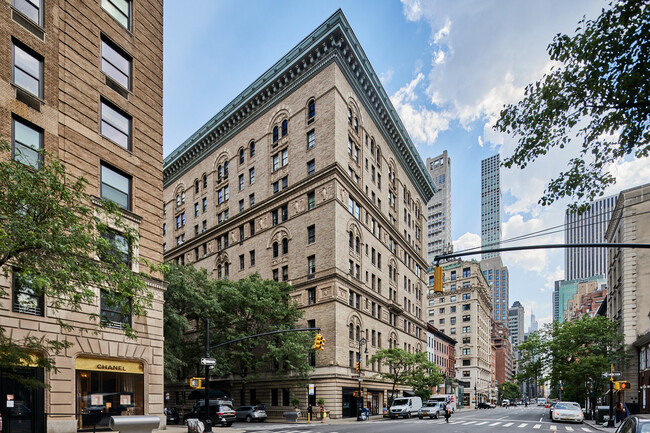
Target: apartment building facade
point(491, 205)
point(309, 177)
point(82, 81)
point(498, 278)
point(462, 311)
point(439, 208)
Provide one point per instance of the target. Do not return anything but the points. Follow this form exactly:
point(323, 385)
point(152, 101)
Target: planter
point(291, 416)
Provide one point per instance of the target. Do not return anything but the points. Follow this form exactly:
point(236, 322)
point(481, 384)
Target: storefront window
point(107, 388)
point(22, 408)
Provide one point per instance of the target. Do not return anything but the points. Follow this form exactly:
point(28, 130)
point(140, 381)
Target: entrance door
point(23, 409)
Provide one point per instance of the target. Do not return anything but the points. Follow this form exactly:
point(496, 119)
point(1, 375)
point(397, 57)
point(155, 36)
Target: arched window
point(219, 272)
point(351, 331)
point(351, 240)
point(183, 197)
point(178, 200)
point(252, 149)
point(285, 127)
point(357, 244)
point(372, 147)
point(225, 168)
point(219, 172)
point(356, 125)
point(275, 134)
point(196, 187)
point(275, 249)
point(285, 246)
point(350, 116)
point(358, 334)
point(311, 109)
point(241, 156)
point(205, 181)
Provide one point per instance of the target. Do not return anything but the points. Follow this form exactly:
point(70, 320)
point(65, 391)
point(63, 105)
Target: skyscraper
point(589, 227)
point(498, 278)
point(516, 315)
point(439, 207)
point(490, 205)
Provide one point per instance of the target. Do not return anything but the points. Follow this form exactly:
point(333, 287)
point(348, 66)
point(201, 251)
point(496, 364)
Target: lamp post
point(362, 342)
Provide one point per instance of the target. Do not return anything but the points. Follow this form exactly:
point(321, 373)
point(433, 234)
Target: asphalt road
point(517, 419)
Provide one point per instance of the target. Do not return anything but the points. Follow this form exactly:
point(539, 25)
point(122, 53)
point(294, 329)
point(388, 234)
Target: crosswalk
point(513, 425)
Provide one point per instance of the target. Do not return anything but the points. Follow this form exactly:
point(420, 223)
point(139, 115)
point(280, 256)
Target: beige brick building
point(309, 177)
point(462, 311)
point(83, 81)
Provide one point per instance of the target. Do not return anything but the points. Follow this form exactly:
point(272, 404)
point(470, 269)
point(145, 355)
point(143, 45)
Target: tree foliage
point(574, 354)
point(410, 369)
point(597, 93)
point(50, 241)
point(236, 309)
point(508, 390)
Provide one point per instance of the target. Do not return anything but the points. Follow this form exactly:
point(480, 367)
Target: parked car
point(172, 415)
point(635, 424)
point(432, 410)
point(221, 414)
point(485, 405)
point(405, 407)
point(250, 413)
point(567, 411)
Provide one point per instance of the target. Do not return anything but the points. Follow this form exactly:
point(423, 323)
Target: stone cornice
point(332, 41)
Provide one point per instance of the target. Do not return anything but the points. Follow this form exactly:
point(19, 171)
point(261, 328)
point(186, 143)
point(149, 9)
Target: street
point(531, 419)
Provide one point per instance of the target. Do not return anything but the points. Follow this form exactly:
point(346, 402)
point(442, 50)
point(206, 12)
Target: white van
point(405, 407)
point(443, 399)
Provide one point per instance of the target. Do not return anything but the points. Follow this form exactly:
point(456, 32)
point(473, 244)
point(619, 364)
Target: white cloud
point(412, 10)
point(439, 58)
point(422, 123)
point(386, 77)
point(468, 241)
point(443, 32)
point(629, 173)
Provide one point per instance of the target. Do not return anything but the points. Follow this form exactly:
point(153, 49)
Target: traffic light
point(617, 385)
point(437, 279)
point(319, 342)
point(357, 366)
point(504, 387)
point(625, 385)
point(196, 382)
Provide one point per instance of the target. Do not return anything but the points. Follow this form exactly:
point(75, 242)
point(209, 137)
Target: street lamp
point(362, 342)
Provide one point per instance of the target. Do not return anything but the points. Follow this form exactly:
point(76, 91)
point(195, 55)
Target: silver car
point(250, 413)
point(432, 410)
point(567, 411)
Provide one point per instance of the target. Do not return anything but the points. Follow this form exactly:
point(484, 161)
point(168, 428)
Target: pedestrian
point(310, 413)
point(447, 411)
point(620, 412)
point(322, 414)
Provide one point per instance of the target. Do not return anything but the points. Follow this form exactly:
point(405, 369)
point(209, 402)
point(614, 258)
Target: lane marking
point(495, 423)
point(481, 423)
point(569, 428)
point(524, 424)
point(554, 427)
point(536, 426)
point(585, 429)
point(469, 422)
point(508, 425)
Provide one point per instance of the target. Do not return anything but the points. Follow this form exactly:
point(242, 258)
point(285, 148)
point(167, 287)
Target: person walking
point(447, 411)
point(322, 414)
point(310, 413)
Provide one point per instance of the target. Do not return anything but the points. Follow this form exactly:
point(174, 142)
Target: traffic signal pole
point(208, 421)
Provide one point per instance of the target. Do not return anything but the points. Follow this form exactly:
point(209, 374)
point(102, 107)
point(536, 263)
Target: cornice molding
point(332, 41)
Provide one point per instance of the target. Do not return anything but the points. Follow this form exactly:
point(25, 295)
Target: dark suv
point(221, 414)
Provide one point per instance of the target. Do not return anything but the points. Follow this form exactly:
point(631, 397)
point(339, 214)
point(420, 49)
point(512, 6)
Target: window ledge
point(18, 17)
point(129, 215)
point(28, 98)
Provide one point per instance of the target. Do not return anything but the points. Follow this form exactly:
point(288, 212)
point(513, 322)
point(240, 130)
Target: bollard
point(134, 423)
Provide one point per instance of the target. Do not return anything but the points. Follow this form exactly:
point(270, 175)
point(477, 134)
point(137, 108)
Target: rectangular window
point(32, 9)
point(251, 176)
point(116, 64)
point(27, 142)
point(28, 70)
point(252, 257)
point(311, 167)
point(311, 265)
point(118, 251)
point(276, 162)
point(112, 315)
point(116, 187)
point(241, 182)
point(241, 262)
point(251, 228)
point(285, 157)
point(311, 234)
point(274, 217)
point(115, 125)
point(311, 200)
point(311, 139)
point(285, 273)
point(311, 296)
point(120, 10)
point(205, 205)
point(251, 199)
point(25, 298)
point(285, 212)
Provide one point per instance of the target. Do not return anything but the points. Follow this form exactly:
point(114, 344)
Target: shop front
point(374, 401)
point(22, 407)
point(350, 402)
point(105, 388)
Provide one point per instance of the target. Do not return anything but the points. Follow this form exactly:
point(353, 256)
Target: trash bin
point(602, 413)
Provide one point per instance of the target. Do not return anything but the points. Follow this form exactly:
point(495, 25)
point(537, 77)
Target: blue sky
point(449, 66)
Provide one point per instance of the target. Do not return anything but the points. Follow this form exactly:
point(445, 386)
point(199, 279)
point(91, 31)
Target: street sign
point(612, 374)
point(311, 389)
point(208, 361)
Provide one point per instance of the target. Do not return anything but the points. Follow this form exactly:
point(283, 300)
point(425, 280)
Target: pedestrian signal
point(196, 382)
point(319, 342)
point(437, 279)
point(625, 385)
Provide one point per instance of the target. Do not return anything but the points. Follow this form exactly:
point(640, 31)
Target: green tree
point(532, 359)
point(236, 309)
point(598, 94)
point(52, 235)
point(410, 369)
point(509, 390)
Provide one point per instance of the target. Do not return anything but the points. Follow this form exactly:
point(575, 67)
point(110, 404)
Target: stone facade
point(462, 311)
point(340, 186)
point(67, 41)
point(628, 274)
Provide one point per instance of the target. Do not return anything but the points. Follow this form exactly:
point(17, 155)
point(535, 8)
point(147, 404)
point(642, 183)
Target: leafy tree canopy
point(51, 242)
point(509, 390)
point(597, 93)
point(236, 309)
point(410, 369)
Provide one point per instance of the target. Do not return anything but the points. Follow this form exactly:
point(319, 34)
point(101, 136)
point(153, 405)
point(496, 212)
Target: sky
point(448, 66)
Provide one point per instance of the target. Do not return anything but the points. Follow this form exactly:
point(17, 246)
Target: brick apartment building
point(83, 81)
point(309, 177)
point(502, 352)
